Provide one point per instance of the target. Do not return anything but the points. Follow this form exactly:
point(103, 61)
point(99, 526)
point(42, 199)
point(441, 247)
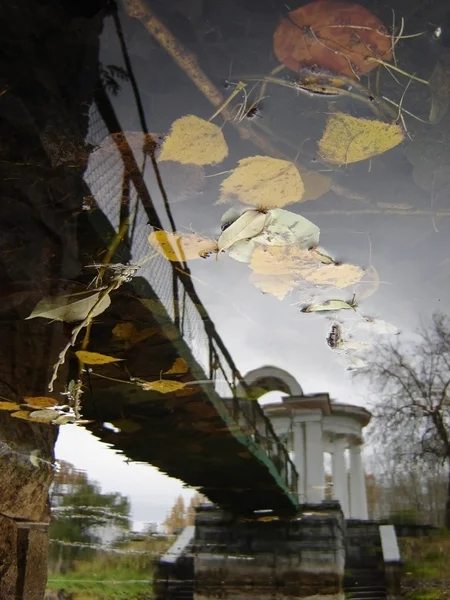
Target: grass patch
point(90, 589)
point(426, 558)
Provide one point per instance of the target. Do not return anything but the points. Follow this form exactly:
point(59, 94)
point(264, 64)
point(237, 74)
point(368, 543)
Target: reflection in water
point(193, 189)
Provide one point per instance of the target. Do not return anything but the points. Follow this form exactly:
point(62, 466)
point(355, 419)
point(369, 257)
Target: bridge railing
point(172, 284)
point(252, 420)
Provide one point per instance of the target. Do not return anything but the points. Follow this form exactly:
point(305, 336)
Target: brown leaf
point(40, 401)
point(332, 35)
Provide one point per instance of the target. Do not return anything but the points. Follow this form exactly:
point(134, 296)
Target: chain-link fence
point(117, 183)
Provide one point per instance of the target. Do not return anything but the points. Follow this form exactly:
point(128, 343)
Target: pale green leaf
point(70, 308)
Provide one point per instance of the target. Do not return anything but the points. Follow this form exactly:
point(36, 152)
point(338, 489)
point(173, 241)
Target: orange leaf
point(335, 36)
point(40, 401)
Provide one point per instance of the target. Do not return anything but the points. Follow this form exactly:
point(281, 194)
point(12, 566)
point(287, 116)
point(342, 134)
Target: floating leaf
point(130, 335)
point(9, 406)
point(94, 358)
point(328, 305)
point(282, 228)
point(178, 247)
point(322, 257)
point(440, 91)
point(249, 224)
point(316, 184)
point(163, 386)
point(349, 139)
point(339, 276)
point(179, 367)
point(43, 416)
point(276, 285)
point(21, 414)
point(71, 308)
point(40, 401)
point(337, 36)
point(281, 260)
point(194, 141)
point(264, 182)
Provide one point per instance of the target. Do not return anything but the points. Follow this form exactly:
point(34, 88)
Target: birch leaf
point(21, 414)
point(282, 228)
point(322, 257)
point(179, 248)
point(340, 276)
point(70, 308)
point(45, 415)
point(249, 224)
point(276, 285)
point(40, 401)
point(95, 358)
point(281, 260)
point(264, 182)
point(192, 140)
point(163, 386)
point(179, 367)
point(349, 139)
point(440, 91)
point(9, 406)
point(328, 305)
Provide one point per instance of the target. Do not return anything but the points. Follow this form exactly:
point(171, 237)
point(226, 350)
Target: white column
point(300, 459)
point(358, 498)
point(315, 473)
point(340, 479)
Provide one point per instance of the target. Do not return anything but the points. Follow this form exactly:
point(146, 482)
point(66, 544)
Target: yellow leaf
point(21, 414)
point(316, 184)
point(339, 276)
point(349, 139)
point(281, 260)
point(163, 386)
point(194, 141)
point(264, 182)
point(94, 358)
point(9, 406)
point(130, 335)
point(276, 285)
point(40, 401)
point(177, 247)
point(179, 366)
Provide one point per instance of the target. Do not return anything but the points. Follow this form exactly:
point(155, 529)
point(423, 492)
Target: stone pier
point(263, 557)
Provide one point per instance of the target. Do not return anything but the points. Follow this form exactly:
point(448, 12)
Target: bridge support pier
point(263, 557)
